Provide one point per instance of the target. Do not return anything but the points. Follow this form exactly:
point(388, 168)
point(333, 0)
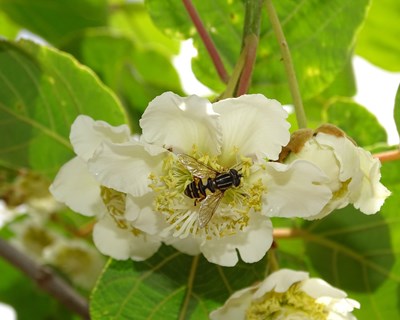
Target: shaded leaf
point(42, 91)
point(56, 19)
point(168, 285)
point(378, 41)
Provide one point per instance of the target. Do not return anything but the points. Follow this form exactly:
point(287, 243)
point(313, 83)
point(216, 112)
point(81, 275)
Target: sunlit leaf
point(356, 121)
point(320, 35)
point(41, 92)
point(136, 74)
point(170, 285)
point(378, 41)
point(56, 19)
point(8, 29)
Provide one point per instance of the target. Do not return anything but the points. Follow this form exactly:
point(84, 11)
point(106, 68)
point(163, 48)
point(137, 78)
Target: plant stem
point(388, 155)
point(46, 279)
point(208, 42)
point(240, 80)
point(288, 63)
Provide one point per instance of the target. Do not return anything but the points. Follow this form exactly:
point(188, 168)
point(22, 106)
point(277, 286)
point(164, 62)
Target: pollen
point(281, 305)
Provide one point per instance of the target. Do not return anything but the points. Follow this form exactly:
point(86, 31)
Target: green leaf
point(356, 121)
point(378, 41)
point(397, 110)
point(42, 91)
point(320, 35)
point(133, 72)
point(8, 29)
point(132, 20)
point(170, 285)
point(56, 19)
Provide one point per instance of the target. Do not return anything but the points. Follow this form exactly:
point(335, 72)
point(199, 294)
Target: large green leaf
point(56, 19)
point(170, 285)
point(379, 38)
point(42, 91)
point(320, 35)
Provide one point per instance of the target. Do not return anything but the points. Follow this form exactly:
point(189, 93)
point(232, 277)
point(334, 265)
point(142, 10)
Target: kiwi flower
point(179, 200)
point(288, 295)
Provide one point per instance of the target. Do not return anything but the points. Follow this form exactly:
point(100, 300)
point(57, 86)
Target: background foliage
point(108, 59)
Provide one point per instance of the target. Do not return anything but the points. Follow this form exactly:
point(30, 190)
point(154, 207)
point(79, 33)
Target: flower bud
point(353, 174)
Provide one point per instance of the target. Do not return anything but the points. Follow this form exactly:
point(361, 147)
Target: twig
point(208, 42)
point(46, 279)
point(388, 155)
point(288, 63)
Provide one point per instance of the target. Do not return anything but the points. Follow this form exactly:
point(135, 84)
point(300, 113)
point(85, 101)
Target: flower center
point(115, 204)
point(291, 304)
point(199, 190)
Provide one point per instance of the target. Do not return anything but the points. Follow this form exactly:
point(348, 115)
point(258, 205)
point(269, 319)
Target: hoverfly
point(217, 183)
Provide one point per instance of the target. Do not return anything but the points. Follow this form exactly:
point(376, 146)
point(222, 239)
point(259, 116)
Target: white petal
point(345, 152)
point(295, 190)
point(78, 189)
point(253, 124)
point(178, 123)
point(121, 244)
point(189, 245)
point(371, 194)
point(139, 211)
point(252, 244)
point(319, 288)
point(126, 167)
point(86, 135)
point(235, 307)
point(280, 281)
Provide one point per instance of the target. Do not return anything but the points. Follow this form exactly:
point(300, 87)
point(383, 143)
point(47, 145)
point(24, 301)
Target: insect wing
point(196, 168)
point(208, 207)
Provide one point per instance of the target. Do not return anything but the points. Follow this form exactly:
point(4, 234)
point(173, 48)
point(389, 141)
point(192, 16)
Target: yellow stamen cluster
point(281, 305)
point(181, 212)
point(115, 204)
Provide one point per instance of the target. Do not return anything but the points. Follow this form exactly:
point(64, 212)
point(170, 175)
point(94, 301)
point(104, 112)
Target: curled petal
point(179, 123)
point(87, 134)
point(140, 211)
point(295, 190)
point(371, 194)
point(78, 189)
point(253, 125)
point(235, 307)
point(252, 244)
point(126, 167)
point(122, 244)
point(280, 281)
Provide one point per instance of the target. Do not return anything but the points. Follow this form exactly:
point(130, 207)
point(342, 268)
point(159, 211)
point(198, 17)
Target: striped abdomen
point(223, 181)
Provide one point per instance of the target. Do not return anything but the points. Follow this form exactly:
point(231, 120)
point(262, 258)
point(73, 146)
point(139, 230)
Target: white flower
point(76, 259)
point(76, 187)
point(287, 295)
point(353, 174)
point(181, 135)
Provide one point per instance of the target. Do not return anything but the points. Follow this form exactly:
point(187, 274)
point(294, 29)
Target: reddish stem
point(251, 44)
point(208, 42)
point(388, 155)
